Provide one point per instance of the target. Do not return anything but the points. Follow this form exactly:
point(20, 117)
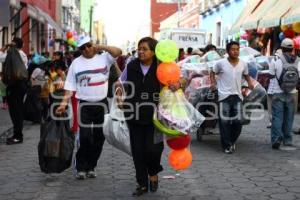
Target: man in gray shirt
point(230, 72)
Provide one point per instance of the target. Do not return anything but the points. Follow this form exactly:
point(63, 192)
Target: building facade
point(217, 18)
point(32, 20)
point(69, 13)
point(189, 16)
point(99, 33)
point(86, 16)
point(162, 9)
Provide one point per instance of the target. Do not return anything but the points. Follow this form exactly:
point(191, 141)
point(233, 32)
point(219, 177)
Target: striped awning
point(264, 8)
point(249, 8)
point(272, 18)
point(293, 15)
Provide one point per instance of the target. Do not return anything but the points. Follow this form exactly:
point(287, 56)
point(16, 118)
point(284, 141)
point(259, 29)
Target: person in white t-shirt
point(88, 77)
point(230, 73)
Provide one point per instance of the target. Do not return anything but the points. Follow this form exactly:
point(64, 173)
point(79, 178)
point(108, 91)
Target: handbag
point(115, 128)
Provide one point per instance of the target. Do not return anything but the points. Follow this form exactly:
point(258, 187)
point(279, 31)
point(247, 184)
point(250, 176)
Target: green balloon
point(74, 44)
point(166, 51)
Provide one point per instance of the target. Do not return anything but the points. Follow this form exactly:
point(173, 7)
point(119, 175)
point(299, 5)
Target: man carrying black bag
point(15, 78)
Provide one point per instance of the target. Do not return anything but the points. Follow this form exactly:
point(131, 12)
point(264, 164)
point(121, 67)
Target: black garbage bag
point(55, 148)
point(33, 105)
point(14, 68)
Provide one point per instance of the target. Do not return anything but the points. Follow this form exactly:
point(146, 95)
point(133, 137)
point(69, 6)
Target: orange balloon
point(69, 34)
point(168, 73)
point(180, 159)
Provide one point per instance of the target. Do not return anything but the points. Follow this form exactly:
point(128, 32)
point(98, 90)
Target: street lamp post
point(178, 12)
point(91, 20)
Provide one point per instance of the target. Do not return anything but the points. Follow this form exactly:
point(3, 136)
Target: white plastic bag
point(115, 128)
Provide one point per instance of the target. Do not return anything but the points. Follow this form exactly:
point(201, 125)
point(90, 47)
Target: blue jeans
point(283, 109)
point(230, 116)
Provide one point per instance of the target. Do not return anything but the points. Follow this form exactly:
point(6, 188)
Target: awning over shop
point(249, 8)
point(252, 21)
point(273, 16)
point(42, 16)
point(293, 15)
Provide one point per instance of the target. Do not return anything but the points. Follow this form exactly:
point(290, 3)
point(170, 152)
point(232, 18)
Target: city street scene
point(149, 99)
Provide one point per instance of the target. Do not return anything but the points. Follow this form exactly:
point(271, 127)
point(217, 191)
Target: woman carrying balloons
point(142, 95)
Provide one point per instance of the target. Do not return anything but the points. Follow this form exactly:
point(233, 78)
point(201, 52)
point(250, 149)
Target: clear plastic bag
point(176, 113)
point(256, 95)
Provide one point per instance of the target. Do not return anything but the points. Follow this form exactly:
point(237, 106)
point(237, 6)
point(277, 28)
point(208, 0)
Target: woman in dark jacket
point(142, 95)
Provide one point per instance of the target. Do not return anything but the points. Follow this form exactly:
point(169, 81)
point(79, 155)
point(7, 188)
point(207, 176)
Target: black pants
point(15, 99)
point(230, 120)
point(146, 155)
point(91, 136)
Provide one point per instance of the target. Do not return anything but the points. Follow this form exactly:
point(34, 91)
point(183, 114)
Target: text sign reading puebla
point(184, 40)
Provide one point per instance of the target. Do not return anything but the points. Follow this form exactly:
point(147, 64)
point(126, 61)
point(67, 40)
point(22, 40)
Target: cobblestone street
point(255, 171)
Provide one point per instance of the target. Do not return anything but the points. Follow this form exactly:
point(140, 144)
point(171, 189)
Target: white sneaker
point(91, 174)
point(228, 150)
point(80, 175)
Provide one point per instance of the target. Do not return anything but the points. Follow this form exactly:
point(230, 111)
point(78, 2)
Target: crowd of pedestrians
point(87, 77)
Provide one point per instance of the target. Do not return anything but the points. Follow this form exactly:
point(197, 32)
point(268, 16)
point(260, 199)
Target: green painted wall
point(85, 9)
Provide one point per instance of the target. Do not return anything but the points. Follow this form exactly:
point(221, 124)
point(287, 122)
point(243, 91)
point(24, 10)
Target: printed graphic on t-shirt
point(89, 78)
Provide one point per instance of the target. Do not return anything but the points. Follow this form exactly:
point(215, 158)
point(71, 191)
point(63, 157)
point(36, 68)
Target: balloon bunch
point(71, 38)
point(168, 72)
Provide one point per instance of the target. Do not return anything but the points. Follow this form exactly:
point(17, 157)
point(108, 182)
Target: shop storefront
point(265, 23)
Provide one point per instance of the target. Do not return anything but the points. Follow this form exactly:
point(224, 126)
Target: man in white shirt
point(88, 76)
point(230, 73)
point(283, 103)
point(15, 92)
point(3, 54)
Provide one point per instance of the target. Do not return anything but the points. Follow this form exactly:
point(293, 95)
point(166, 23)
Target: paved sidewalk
point(255, 171)
point(5, 121)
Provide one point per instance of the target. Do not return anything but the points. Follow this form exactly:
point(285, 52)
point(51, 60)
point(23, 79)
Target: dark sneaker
point(140, 191)
point(276, 144)
point(80, 175)
point(297, 132)
point(232, 148)
point(91, 174)
point(12, 140)
point(153, 186)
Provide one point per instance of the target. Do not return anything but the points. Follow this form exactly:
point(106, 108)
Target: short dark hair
point(18, 41)
point(189, 50)
point(58, 64)
point(210, 47)
point(58, 53)
point(230, 44)
point(150, 41)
